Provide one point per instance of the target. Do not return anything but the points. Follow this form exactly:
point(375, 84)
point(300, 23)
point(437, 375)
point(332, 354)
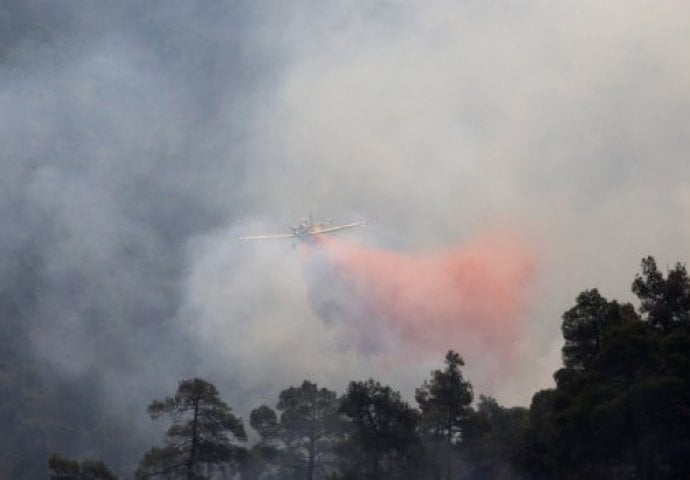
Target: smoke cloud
point(141, 139)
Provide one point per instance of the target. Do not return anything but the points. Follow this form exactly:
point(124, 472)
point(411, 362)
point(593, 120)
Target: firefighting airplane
point(306, 230)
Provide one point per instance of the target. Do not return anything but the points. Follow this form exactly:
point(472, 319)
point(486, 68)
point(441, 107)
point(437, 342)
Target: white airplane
point(306, 230)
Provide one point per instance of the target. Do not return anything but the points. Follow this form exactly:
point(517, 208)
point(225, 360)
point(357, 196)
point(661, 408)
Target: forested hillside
point(619, 410)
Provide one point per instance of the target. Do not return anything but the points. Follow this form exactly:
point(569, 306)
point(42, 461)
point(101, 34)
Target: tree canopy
point(383, 429)
point(304, 438)
point(200, 440)
point(619, 407)
point(444, 402)
point(664, 301)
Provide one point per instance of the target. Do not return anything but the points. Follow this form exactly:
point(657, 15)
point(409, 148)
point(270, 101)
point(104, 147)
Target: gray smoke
point(141, 139)
point(122, 127)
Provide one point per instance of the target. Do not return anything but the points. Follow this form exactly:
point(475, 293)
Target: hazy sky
point(141, 139)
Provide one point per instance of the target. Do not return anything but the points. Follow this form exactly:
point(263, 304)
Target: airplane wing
point(338, 227)
point(267, 237)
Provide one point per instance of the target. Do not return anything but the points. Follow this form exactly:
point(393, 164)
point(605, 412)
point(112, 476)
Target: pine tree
point(383, 436)
point(199, 441)
point(445, 405)
point(665, 301)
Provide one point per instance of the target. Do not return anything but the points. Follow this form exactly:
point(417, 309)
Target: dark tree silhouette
point(584, 325)
point(62, 468)
point(445, 405)
point(265, 421)
point(266, 457)
point(665, 301)
point(494, 441)
point(303, 439)
point(620, 406)
point(311, 424)
point(384, 430)
point(199, 441)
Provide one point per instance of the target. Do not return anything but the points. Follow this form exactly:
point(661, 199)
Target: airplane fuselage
point(306, 231)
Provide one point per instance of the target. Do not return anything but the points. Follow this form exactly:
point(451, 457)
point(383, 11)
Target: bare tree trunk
point(193, 448)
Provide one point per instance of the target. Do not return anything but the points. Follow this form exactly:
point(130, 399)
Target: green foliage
point(266, 457)
point(303, 441)
point(66, 469)
point(265, 421)
point(494, 440)
point(63, 468)
point(620, 406)
point(444, 402)
point(537, 459)
point(665, 301)
point(311, 425)
point(199, 441)
point(383, 435)
point(585, 324)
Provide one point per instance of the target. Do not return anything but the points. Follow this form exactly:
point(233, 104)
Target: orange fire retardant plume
point(468, 298)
